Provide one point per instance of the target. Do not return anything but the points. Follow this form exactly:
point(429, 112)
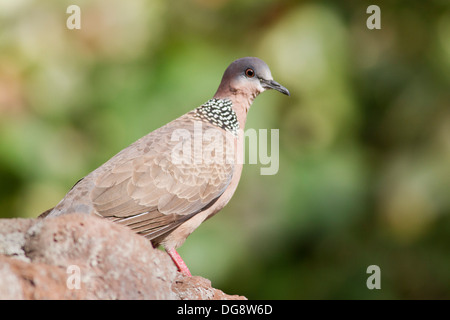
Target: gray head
point(248, 76)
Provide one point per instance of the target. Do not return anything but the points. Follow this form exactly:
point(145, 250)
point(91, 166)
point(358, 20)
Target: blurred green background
point(364, 172)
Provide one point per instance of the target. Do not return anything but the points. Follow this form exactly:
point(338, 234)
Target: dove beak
point(272, 84)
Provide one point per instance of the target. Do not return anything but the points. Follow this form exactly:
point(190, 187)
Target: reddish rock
point(78, 256)
point(198, 288)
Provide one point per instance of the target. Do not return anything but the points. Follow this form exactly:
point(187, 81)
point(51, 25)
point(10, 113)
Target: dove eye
point(250, 73)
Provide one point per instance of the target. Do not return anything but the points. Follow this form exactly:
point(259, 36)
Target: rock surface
point(83, 257)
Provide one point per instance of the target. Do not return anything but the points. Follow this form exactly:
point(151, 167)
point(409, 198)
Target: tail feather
point(45, 213)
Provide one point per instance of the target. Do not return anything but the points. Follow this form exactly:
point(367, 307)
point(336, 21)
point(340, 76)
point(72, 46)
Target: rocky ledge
point(83, 257)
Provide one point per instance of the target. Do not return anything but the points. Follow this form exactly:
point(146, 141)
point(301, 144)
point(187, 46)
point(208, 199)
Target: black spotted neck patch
point(220, 113)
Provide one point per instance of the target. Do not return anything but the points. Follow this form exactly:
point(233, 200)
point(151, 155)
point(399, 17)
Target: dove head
point(247, 77)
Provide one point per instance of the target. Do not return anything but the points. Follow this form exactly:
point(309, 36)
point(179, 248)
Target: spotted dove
point(167, 183)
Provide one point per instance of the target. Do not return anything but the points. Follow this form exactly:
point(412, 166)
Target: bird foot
point(182, 267)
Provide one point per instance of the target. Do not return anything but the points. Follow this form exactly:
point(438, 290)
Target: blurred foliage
point(364, 139)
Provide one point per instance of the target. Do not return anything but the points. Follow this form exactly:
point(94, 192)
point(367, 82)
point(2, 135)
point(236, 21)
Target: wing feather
point(151, 194)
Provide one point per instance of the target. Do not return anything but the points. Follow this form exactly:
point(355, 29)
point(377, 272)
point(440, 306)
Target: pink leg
point(182, 267)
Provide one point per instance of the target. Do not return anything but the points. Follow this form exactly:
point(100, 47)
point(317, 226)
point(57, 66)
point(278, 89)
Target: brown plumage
point(167, 183)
